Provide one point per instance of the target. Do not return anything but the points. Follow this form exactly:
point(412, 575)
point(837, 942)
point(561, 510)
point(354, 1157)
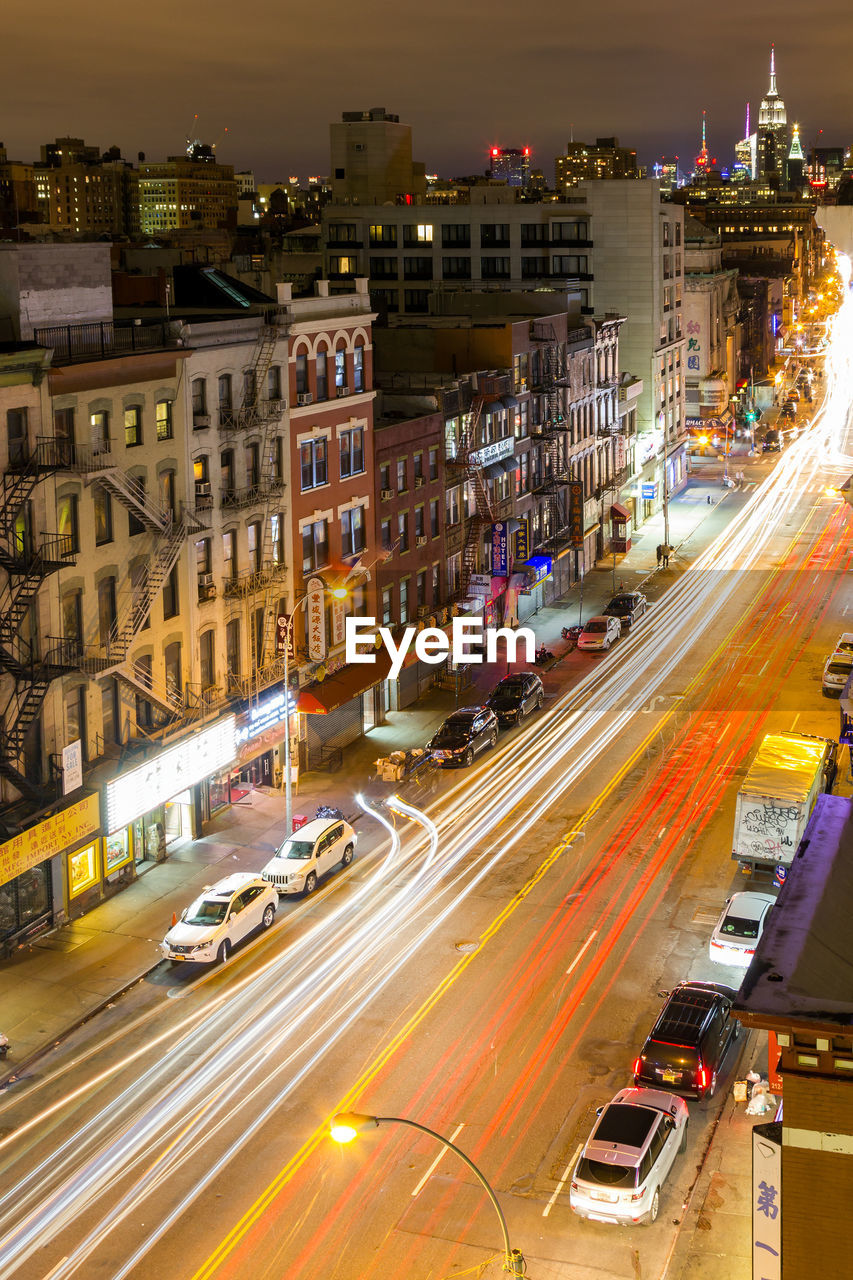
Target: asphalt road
point(490, 971)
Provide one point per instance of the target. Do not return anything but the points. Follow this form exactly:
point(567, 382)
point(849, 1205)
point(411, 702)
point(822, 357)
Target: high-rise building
point(511, 165)
point(795, 168)
point(668, 174)
point(746, 155)
point(772, 132)
point(372, 159)
point(192, 191)
point(702, 163)
point(585, 160)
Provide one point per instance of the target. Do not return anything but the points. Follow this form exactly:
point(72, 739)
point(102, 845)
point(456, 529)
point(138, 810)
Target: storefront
point(334, 710)
point(261, 728)
point(165, 798)
point(36, 869)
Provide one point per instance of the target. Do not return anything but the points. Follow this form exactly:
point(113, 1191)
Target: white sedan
point(224, 915)
point(599, 633)
point(738, 929)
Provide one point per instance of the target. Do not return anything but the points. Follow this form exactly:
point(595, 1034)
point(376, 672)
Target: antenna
point(746, 135)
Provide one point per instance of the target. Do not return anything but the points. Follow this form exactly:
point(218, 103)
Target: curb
point(10, 1078)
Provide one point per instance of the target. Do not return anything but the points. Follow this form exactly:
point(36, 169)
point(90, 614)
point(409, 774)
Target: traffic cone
point(174, 918)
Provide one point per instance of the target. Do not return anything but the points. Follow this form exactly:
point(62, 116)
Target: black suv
point(628, 606)
point(467, 731)
point(689, 1040)
point(515, 696)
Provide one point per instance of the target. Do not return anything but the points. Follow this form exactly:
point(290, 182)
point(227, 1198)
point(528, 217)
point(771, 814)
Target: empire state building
point(772, 132)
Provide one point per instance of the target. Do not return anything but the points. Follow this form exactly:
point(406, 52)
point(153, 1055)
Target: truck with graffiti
point(788, 773)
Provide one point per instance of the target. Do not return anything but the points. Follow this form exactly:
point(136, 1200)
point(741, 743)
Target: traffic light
point(750, 415)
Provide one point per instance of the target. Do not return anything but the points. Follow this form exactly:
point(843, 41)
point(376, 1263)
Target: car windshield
point(301, 849)
point(596, 624)
point(450, 735)
point(206, 912)
point(839, 668)
point(507, 693)
point(606, 1175)
point(738, 927)
point(621, 603)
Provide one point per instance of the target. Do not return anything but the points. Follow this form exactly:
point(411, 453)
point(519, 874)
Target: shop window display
point(83, 870)
point(117, 851)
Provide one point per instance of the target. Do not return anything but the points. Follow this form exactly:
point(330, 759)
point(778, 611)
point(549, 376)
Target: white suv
point(836, 671)
point(309, 853)
point(628, 1156)
point(224, 914)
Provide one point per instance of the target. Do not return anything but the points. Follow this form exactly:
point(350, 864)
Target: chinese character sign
point(499, 550)
point(522, 542)
point(338, 615)
point(576, 513)
point(316, 620)
point(767, 1201)
point(284, 636)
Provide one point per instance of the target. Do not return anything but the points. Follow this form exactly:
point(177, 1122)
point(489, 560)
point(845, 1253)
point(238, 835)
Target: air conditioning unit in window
point(202, 488)
point(205, 580)
point(201, 420)
point(423, 610)
point(385, 494)
point(304, 397)
point(422, 540)
point(341, 391)
point(419, 482)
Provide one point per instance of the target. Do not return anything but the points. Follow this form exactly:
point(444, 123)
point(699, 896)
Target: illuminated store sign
point(266, 715)
point(173, 770)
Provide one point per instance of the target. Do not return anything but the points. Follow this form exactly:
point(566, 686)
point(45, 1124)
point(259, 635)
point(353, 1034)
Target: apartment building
point(191, 192)
point(710, 324)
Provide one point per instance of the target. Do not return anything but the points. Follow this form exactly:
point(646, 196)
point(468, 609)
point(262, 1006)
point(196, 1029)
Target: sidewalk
point(62, 978)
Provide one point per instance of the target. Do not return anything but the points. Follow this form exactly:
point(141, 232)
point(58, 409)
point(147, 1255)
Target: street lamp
point(337, 593)
point(349, 1124)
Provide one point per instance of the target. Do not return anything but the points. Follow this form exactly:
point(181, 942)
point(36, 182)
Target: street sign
point(500, 541)
point(780, 875)
point(648, 492)
point(316, 620)
point(480, 584)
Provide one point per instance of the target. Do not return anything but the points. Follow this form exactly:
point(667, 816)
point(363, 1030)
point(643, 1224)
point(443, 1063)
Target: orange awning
point(327, 695)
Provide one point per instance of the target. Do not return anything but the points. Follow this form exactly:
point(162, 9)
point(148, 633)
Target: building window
point(202, 556)
point(199, 398)
point(434, 527)
point(385, 478)
point(384, 268)
point(416, 301)
point(133, 426)
point(229, 553)
point(419, 521)
point(418, 468)
point(436, 583)
point(403, 531)
point(343, 266)
point(358, 367)
point(75, 718)
point(144, 711)
point(404, 601)
point(313, 463)
point(63, 425)
point(226, 401)
point(277, 537)
point(352, 452)
point(419, 234)
point(254, 537)
point(433, 464)
point(100, 425)
point(385, 535)
point(322, 377)
point(207, 658)
point(67, 521)
point(174, 675)
point(495, 268)
point(456, 235)
point(494, 235)
point(302, 373)
point(163, 419)
point(250, 388)
point(402, 479)
point(315, 546)
point(106, 610)
point(421, 599)
point(352, 531)
point(340, 369)
point(72, 618)
point(387, 593)
point(383, 235)
point(452, 505)
point(171, 601)
point(274, 382)
point(232, 651)
point(103, 516)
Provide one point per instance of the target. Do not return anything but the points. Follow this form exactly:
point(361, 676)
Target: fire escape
point(553, 429)
point(260, 414)
point(27, 564)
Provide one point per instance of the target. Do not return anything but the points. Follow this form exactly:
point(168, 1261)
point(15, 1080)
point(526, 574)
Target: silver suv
point(628, 1156)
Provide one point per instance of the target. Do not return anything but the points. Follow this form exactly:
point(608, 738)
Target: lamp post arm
point(510, 1256)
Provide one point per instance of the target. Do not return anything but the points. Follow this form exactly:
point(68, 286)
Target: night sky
point(463, 75)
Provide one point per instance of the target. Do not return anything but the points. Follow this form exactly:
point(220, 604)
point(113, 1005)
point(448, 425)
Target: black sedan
point(628, 606)
point(516, 696)
point(463, 734)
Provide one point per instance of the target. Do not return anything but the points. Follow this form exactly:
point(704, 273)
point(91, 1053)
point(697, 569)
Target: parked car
point(628, 606)
point(309, 853)
point(224, 914)
point(627, 1157)
point(516, 696)
point(463, 735)
point(792, 394)
point(771, 442)
point(599, 632)
point(739, 928)
point(836, 673)
point(690, 1039)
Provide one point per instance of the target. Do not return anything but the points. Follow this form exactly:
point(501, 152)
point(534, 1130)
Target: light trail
point(295, 1005)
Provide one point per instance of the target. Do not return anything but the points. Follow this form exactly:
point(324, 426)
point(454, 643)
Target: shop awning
point(494, 470)
point(327, 695)
point(509, 402)
point(510, 464)
point(518, 581)
point(618, 512)
point(494, 406)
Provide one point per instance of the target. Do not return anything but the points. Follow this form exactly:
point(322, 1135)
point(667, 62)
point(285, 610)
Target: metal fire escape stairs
point(26, 568)
point(261, 414)
point(482, 514)
point(554, 428)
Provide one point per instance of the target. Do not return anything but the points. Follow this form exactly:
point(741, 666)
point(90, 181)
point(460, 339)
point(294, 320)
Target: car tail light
point(574, 1185)
point(749, 951)
point(702, 1076)
point(637, 1195)
point(638, 1062)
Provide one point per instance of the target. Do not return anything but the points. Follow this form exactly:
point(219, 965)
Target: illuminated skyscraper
point(746, 154)
point(772, 132)
point(511, 164)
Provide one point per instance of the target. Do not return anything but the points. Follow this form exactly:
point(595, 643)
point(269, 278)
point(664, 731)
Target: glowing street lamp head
point(339, 593)
point(347, 1126)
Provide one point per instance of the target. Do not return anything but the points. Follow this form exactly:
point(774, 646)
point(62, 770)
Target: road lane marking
point(436, 1162)
point(559, 1187)
point(580, 954)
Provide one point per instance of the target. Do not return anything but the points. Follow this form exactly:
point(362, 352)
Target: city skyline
point(533, 90)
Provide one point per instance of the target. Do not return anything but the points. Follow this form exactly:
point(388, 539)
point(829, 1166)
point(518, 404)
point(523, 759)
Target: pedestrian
point(666, 551)
point(709, 499)
point(659, 553)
